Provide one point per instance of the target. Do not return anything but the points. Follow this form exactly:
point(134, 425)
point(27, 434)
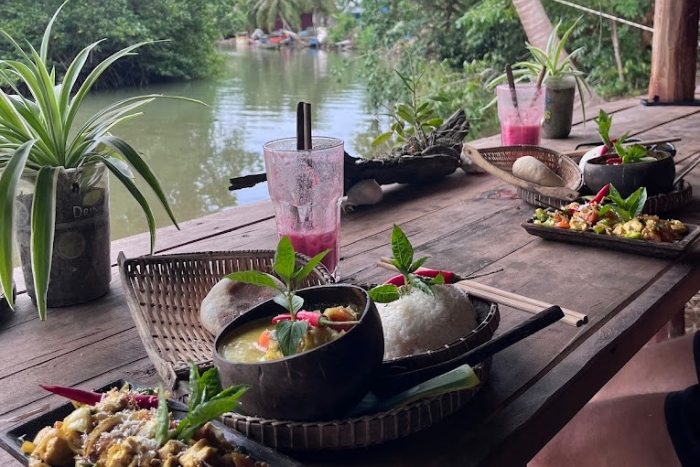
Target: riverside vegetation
point(460, 44)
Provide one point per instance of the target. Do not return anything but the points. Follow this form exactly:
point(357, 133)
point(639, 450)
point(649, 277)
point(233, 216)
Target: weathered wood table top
point(466, 223)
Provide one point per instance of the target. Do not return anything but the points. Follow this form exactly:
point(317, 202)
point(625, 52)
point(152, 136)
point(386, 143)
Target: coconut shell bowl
point(319, 384)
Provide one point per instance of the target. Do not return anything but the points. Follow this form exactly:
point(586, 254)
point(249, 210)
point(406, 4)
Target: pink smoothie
point(313, 243)
point(520, 134)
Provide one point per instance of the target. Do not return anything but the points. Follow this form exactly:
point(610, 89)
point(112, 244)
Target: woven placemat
point(357, 432)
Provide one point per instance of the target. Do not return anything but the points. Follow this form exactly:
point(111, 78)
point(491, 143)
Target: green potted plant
point(561, 81)
point(54, 175)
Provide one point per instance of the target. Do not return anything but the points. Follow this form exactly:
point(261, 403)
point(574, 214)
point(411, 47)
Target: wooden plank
point(528, 423)
point(674, 50)
point(167, 238)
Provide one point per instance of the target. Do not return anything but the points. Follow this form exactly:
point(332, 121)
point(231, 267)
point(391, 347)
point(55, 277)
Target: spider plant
point(556, 67)
point(39, 138)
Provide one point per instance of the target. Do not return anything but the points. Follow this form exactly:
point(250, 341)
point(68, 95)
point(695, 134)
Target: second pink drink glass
point(520, 114)
point(306, 187)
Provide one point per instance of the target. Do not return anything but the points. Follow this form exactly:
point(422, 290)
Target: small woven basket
point(503, 158)
point(164, 294)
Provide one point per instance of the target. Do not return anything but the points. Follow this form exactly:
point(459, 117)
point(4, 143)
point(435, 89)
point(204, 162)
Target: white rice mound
point(417, 322)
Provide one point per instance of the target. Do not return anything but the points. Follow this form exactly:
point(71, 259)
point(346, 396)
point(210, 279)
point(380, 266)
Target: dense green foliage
point(188, 28)
point(463, 43)
point(594, 34)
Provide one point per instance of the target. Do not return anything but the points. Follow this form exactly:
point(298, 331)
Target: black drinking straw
point(307, 126)
point(511, 85)
point(300, 126)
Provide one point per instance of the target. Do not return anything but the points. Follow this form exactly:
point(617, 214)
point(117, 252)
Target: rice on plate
point(417, 322)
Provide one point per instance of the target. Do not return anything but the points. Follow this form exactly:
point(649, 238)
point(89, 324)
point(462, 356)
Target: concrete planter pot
point(558, 107)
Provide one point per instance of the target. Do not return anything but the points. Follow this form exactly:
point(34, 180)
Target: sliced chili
point(91, 398)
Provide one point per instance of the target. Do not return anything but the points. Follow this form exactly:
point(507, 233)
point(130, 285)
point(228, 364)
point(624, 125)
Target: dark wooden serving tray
point(640, 247)
point(11, 438)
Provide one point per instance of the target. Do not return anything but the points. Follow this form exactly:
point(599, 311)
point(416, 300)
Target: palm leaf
point(9, 180)
point(43, 230)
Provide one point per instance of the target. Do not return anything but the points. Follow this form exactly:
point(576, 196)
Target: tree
point(289, 11)
point(318, 8)
point(535, 21)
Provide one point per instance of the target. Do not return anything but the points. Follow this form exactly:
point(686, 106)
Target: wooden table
point(467, 223)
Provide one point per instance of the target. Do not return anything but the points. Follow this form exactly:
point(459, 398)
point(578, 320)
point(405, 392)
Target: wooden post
point(674, 49)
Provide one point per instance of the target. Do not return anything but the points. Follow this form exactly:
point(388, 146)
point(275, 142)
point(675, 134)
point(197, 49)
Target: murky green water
point(194, 150)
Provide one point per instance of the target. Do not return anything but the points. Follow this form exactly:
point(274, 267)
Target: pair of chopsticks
point(303, 126)
point(519, 302)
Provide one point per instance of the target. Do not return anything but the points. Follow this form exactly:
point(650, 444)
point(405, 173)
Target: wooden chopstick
point(519, 302)
point(581, 152)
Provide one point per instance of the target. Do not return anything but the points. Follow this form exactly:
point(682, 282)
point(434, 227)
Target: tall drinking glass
point(306, 187)
point(521, 123)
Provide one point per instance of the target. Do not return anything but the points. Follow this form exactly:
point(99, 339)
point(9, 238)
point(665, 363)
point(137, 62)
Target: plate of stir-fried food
point(123, 427)
point(608, 220)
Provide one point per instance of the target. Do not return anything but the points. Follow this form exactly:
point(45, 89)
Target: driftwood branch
point(409, 163)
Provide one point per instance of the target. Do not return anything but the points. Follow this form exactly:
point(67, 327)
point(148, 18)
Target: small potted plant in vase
point(561, 80)
point(54, 176)
point(627, 167)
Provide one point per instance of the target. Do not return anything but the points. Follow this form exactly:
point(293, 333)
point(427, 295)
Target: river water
point(194, 149)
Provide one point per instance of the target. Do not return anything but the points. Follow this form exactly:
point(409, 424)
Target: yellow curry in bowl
point(257, 341)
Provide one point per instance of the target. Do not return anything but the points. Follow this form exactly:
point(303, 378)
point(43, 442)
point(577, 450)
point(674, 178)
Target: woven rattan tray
point(164, 293)
point(357, 432)
point(498, 161)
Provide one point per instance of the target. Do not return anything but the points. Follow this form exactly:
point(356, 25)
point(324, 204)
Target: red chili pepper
point(614, 161)
point(91, 398)
point(312, 317)
point(601, 194)
point(317, 320)
point(279, 318)
point(450, 277)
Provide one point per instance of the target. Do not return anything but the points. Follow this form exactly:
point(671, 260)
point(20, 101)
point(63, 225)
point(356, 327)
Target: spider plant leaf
point(14, 43)
point(136, 193)
point(43, 230)
point(94, 75)
point(580, 96)
point(47, 34)
point(9, 180)
point(91, 141)
point(562, 42)
point(135, 160)
point(49, 106)
point(73, 73)
point(551, 40)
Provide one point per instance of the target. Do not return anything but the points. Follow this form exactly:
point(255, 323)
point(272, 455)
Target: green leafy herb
point(289, 278)
point(207, 401)
point(385, 293)
point(604, 122)
point(290, 334)
point(625, 208)
point(402, 250)
point(163, 419)
point(632, 154)
point(413, 120)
